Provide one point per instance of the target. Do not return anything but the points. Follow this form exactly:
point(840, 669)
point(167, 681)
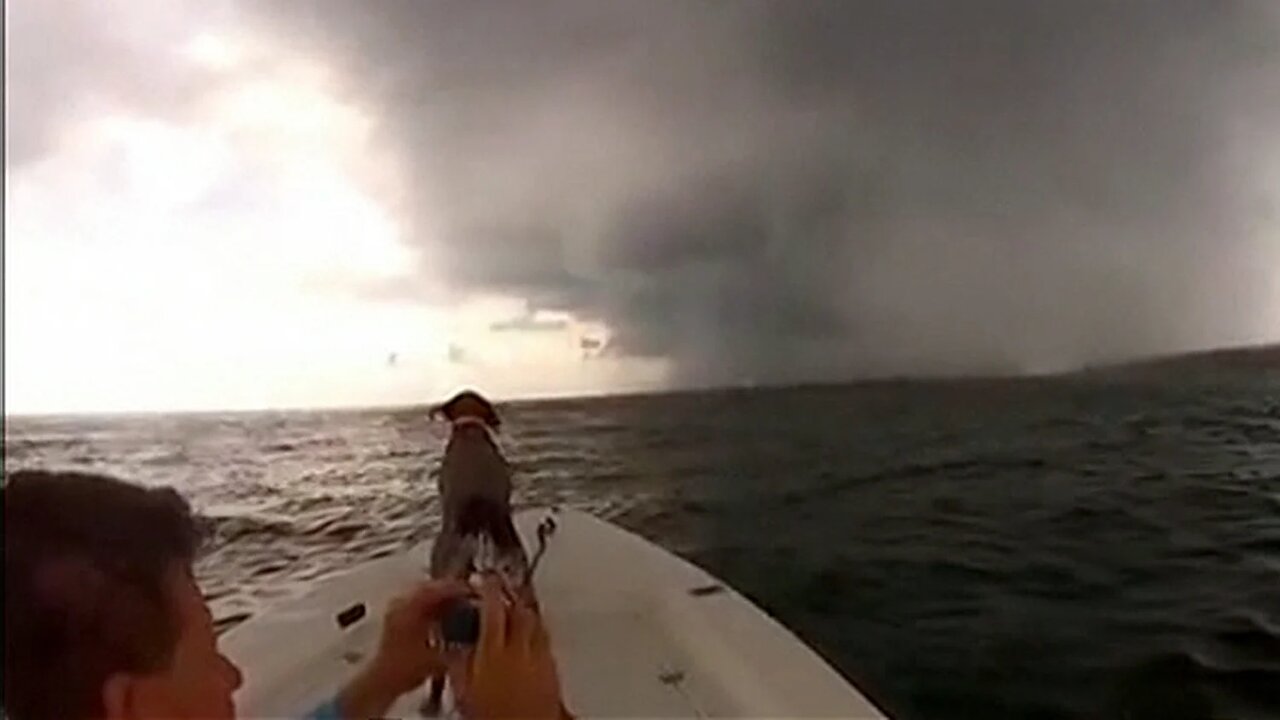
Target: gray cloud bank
point(776, 191)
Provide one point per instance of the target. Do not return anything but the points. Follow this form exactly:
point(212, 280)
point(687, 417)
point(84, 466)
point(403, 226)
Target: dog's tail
point(482, 516)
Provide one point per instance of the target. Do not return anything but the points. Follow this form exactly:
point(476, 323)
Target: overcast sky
point(256, 204)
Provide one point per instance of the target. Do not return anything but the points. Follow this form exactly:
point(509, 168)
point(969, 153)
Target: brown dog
point(475, 499)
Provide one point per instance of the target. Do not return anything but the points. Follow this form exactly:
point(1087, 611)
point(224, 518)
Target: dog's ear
point(437, 411)
point(490, 415)
point(449, 408)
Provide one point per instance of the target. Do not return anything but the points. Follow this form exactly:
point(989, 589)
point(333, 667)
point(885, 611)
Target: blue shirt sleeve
point(327, 711)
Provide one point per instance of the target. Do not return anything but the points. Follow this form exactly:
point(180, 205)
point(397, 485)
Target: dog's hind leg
point(452, 556)
point(446, 552)
point(435, 697)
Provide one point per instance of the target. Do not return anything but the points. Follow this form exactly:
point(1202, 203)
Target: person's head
point(468, 403)
point(102, 616)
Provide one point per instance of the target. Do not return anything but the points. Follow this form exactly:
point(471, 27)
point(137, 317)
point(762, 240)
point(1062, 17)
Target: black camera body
point(460, 624)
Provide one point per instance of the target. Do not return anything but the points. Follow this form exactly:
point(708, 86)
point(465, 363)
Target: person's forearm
point(365, 697)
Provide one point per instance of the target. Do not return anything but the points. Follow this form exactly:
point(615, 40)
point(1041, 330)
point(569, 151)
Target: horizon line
point(1082, 370)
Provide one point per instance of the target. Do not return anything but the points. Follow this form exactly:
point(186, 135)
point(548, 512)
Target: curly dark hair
point(86, 563)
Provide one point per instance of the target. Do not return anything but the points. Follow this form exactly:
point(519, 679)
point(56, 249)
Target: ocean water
point(1065, 548)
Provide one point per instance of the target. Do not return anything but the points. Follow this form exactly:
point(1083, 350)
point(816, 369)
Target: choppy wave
point(1048, 549)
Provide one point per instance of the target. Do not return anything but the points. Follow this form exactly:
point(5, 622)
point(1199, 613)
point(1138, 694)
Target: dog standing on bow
point(474, 483)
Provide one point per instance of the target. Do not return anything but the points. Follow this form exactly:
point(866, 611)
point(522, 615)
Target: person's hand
point(405, 657)
point(511, 673)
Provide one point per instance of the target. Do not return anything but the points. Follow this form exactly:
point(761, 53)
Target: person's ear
point(119, 697)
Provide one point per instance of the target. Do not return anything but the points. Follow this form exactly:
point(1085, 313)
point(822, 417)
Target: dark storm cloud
point(777, 191)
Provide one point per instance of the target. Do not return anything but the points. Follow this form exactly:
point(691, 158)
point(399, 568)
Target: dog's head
point(468, 403)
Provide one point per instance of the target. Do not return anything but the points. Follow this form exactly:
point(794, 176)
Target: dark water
point(1052, 549)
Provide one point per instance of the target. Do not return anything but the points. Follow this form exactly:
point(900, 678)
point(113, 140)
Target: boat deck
point(637, 632)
